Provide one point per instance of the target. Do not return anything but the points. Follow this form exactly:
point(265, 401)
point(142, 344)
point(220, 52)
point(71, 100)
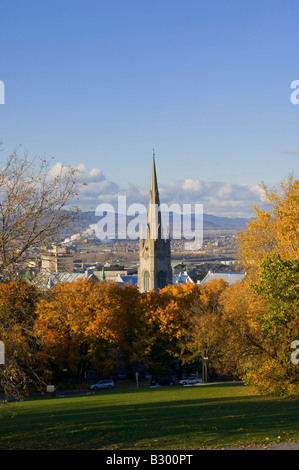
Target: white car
point(102, 384)
point(189, 381)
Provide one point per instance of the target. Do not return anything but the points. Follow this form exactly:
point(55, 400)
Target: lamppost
point(205, 368)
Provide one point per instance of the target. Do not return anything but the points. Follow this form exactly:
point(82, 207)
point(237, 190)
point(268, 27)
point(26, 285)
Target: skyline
point(99, 84)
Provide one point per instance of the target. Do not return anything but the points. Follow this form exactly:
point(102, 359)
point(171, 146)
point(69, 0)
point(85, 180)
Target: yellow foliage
point(275, 230)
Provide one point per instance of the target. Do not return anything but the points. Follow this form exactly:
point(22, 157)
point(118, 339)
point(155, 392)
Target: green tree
point(279, 286)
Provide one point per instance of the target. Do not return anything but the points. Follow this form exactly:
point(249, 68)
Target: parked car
point(189, 381)
point(165, 380)
point(102, 384)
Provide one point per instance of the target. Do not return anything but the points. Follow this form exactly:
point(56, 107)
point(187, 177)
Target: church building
point(154, 270)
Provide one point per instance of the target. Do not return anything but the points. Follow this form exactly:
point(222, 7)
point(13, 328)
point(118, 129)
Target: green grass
point(156, 419)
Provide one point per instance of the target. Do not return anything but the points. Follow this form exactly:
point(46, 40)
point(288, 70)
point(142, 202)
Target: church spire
point(154, 271)
point(154, 215)
point(154, 192)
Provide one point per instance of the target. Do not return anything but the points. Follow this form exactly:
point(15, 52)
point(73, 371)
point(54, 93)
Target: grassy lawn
point(164, 418)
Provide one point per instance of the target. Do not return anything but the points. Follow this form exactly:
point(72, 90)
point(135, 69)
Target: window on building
point(146, 280)
point(161, 279)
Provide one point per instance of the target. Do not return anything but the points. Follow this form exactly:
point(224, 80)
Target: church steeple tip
point(154, 192)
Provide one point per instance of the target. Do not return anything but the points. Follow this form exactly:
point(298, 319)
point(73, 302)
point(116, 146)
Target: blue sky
point(100, 83)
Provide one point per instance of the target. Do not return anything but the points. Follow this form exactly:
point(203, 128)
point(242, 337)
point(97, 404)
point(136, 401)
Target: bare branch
point(35, 207)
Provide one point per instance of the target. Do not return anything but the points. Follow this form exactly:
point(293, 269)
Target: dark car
point(164, 380)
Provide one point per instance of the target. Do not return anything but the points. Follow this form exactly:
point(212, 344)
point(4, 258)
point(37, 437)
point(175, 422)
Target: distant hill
point(209, 220)
point(225, 221)
point(86, 224)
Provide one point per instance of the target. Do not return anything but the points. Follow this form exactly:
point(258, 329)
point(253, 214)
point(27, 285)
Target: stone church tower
point(154, 270)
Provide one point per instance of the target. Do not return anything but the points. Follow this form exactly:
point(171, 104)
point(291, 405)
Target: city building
point(57, 260)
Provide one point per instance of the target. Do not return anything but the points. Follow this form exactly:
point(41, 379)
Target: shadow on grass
point(171, 420)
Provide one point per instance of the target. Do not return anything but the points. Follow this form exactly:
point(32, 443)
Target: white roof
point(181, 278)
point(230, 278)
point(48, 279)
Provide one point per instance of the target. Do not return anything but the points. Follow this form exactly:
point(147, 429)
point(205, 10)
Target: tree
point(240, 333)
point(275, 230)
point(32, 207)
point(200, 340)
point(119, 323)
point(259, 323)
point(21, 370)
point(279, 286)
point(62, 323)
point(86, 324)
point(270, 249)
point(33, 203)
point(164, 315)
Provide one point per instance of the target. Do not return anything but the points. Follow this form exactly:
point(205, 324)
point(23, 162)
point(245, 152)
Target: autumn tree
point(270, 250)
point(33, 203)
point(63, 315)
point(279, 324)
point(201, 340)
point(32, 207)
point(275, 230)
point(240, 337)
point(164, 315)
point(120, 323)
point(86, 324)
point(21, 370)
point(259, 322)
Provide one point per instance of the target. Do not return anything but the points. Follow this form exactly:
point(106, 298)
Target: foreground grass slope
point(164, 418)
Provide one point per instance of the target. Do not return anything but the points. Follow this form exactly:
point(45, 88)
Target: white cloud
point(218, 198)
point(192, 185)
